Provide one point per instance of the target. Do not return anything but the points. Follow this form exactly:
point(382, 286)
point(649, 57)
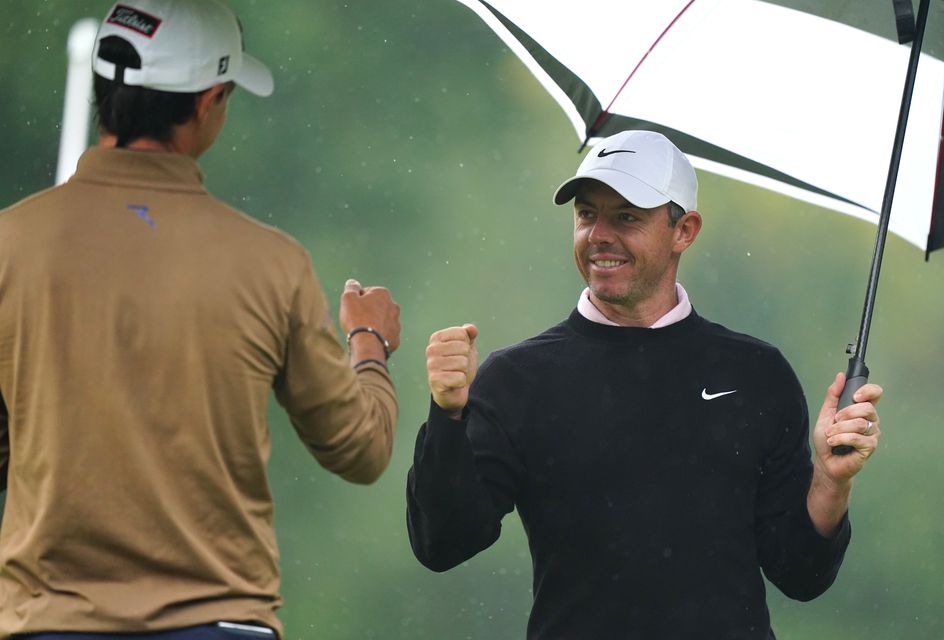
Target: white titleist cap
point(642, 166)
point(185, 46)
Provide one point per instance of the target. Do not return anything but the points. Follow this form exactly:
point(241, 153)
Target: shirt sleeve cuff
point(439, 416)
point(828, 547)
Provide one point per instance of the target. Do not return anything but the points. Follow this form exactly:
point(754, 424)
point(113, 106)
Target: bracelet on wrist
point(370, 361)
point(353, 332)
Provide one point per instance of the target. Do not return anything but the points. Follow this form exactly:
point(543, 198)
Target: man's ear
point(206, 100)
point(686, 230)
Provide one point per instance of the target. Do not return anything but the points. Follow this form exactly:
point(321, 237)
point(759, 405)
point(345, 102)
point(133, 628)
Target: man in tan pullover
point(143, 324)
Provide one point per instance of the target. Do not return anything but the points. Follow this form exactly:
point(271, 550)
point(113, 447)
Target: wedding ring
point(868, 429)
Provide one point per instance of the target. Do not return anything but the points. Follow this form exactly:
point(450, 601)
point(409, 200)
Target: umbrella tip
point(584, 144)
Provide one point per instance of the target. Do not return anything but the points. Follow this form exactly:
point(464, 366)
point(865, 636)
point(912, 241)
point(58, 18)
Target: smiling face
point(628, 255)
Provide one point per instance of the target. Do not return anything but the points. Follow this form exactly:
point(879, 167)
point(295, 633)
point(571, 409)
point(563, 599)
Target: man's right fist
point(370, 307)
point(451, 363)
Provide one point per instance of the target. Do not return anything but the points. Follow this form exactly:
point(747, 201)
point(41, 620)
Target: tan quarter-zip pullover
point(143, 324)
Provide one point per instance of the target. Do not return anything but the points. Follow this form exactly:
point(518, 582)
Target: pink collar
point(676, 313)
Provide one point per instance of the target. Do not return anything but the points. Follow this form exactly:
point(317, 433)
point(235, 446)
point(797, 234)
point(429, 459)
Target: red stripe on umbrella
point(603, 114)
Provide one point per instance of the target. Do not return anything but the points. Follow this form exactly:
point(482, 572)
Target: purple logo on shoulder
point(141, 211)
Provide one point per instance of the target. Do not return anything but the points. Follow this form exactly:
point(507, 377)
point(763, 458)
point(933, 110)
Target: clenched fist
point(369, 307)
point(451, 363)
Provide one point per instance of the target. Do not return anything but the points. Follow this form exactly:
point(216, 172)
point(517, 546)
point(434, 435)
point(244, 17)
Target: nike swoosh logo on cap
point(604, 153)
point(711, 396)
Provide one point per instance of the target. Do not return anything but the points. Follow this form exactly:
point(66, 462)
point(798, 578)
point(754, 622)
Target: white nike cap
point(642, 166)
point(185, 46)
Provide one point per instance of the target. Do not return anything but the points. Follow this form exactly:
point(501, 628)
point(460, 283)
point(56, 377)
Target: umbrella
point(822, 98)
point(803, 102)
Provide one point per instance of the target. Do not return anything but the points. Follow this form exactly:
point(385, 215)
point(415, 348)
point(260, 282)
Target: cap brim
point(635, 191)
point(566, 192)
point(254, 77)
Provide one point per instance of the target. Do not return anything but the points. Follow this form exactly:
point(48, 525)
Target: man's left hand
point(856, 426)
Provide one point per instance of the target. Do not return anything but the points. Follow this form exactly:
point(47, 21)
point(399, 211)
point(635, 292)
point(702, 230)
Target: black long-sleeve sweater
point(651, 499)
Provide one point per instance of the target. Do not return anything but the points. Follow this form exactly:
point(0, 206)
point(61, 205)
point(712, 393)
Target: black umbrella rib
point(586, 103)
point(697, 147)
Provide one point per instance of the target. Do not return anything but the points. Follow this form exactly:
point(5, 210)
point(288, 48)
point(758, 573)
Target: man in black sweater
point(659, 461)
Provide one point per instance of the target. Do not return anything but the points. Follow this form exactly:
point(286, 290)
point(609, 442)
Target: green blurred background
point(405, 146)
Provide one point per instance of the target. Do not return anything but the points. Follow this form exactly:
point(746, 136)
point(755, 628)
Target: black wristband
point(353, 332)
point(371, 361)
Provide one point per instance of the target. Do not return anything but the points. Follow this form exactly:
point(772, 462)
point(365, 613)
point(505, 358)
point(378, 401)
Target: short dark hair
point(131, 113)
point(676, 211)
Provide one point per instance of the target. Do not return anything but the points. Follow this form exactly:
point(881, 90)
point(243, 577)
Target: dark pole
point(858, 374)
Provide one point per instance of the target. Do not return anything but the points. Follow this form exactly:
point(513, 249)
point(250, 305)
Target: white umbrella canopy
point(803, 101)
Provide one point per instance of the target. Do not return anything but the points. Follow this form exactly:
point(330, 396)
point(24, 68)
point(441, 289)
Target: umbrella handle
point(856, 375)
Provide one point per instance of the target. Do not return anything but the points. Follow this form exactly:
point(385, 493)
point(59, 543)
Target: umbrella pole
point(857, 373)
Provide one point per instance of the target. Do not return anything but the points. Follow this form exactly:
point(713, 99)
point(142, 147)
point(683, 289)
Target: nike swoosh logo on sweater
point(711, 396)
